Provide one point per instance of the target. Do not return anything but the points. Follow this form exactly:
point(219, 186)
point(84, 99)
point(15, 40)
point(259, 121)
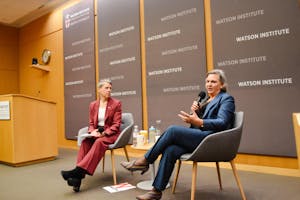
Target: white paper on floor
point(119, 187)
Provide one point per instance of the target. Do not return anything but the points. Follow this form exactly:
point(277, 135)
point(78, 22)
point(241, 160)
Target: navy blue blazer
point(219, 113)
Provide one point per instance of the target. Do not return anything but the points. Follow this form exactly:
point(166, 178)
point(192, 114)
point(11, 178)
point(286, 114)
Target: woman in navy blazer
point(218, 114)
point(104, 127)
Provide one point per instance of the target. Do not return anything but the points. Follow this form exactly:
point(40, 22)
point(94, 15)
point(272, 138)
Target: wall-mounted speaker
point(34, 61)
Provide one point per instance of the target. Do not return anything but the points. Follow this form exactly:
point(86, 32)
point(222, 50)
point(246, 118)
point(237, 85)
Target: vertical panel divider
point(96, 46)
point(143, 61)
point(208, 36)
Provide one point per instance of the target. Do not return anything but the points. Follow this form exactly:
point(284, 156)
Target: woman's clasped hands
point(96, 133)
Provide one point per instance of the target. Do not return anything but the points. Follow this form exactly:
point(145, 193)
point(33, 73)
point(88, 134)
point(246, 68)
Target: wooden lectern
point(296, 122)
point(28, 130)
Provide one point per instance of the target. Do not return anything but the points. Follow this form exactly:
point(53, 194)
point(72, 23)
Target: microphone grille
point(202, 94)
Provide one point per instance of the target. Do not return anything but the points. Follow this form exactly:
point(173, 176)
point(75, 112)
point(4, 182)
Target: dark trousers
point(174, 142)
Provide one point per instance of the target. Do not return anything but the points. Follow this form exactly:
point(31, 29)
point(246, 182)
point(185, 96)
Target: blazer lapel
point(108, 109)
point(212, 104)
point(96, 111)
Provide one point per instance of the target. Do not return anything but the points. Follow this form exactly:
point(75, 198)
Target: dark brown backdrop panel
point(175, 57)
point(79, 65)
point(119, 52)
point(257, 44)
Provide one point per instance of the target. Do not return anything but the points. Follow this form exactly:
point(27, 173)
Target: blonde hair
point(103, 81)
point(222, 78)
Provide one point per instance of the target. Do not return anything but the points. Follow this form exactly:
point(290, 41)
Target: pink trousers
point(91, 152)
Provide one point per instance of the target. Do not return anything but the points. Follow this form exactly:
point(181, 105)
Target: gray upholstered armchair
point(121, 142)
point(218, 147)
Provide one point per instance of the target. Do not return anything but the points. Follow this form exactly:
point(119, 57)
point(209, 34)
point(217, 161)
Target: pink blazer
point(113, 116)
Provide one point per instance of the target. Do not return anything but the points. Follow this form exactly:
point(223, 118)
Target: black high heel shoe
point(75, 182)
point(74, 173)
point(131, 166)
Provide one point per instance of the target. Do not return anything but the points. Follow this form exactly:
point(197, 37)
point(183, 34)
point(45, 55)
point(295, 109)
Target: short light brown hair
point(222, 78)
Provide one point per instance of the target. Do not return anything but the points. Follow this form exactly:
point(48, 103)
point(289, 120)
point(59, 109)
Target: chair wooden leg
point(194, 180)
point(126, 153)
point(103, 163)
point(113, 166)
point(176, 176)
point(237, 179)
point(219, 175)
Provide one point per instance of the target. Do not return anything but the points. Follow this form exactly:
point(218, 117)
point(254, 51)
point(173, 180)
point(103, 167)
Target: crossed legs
point(175, 141)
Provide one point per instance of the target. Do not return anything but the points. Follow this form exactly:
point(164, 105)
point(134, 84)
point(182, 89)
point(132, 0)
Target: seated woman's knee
point(99, 141)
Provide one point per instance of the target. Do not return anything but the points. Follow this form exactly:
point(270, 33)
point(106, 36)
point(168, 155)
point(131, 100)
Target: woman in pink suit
point(104, 127)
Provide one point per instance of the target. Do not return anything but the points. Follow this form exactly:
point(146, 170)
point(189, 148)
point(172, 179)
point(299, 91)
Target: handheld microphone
point(201, 96)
